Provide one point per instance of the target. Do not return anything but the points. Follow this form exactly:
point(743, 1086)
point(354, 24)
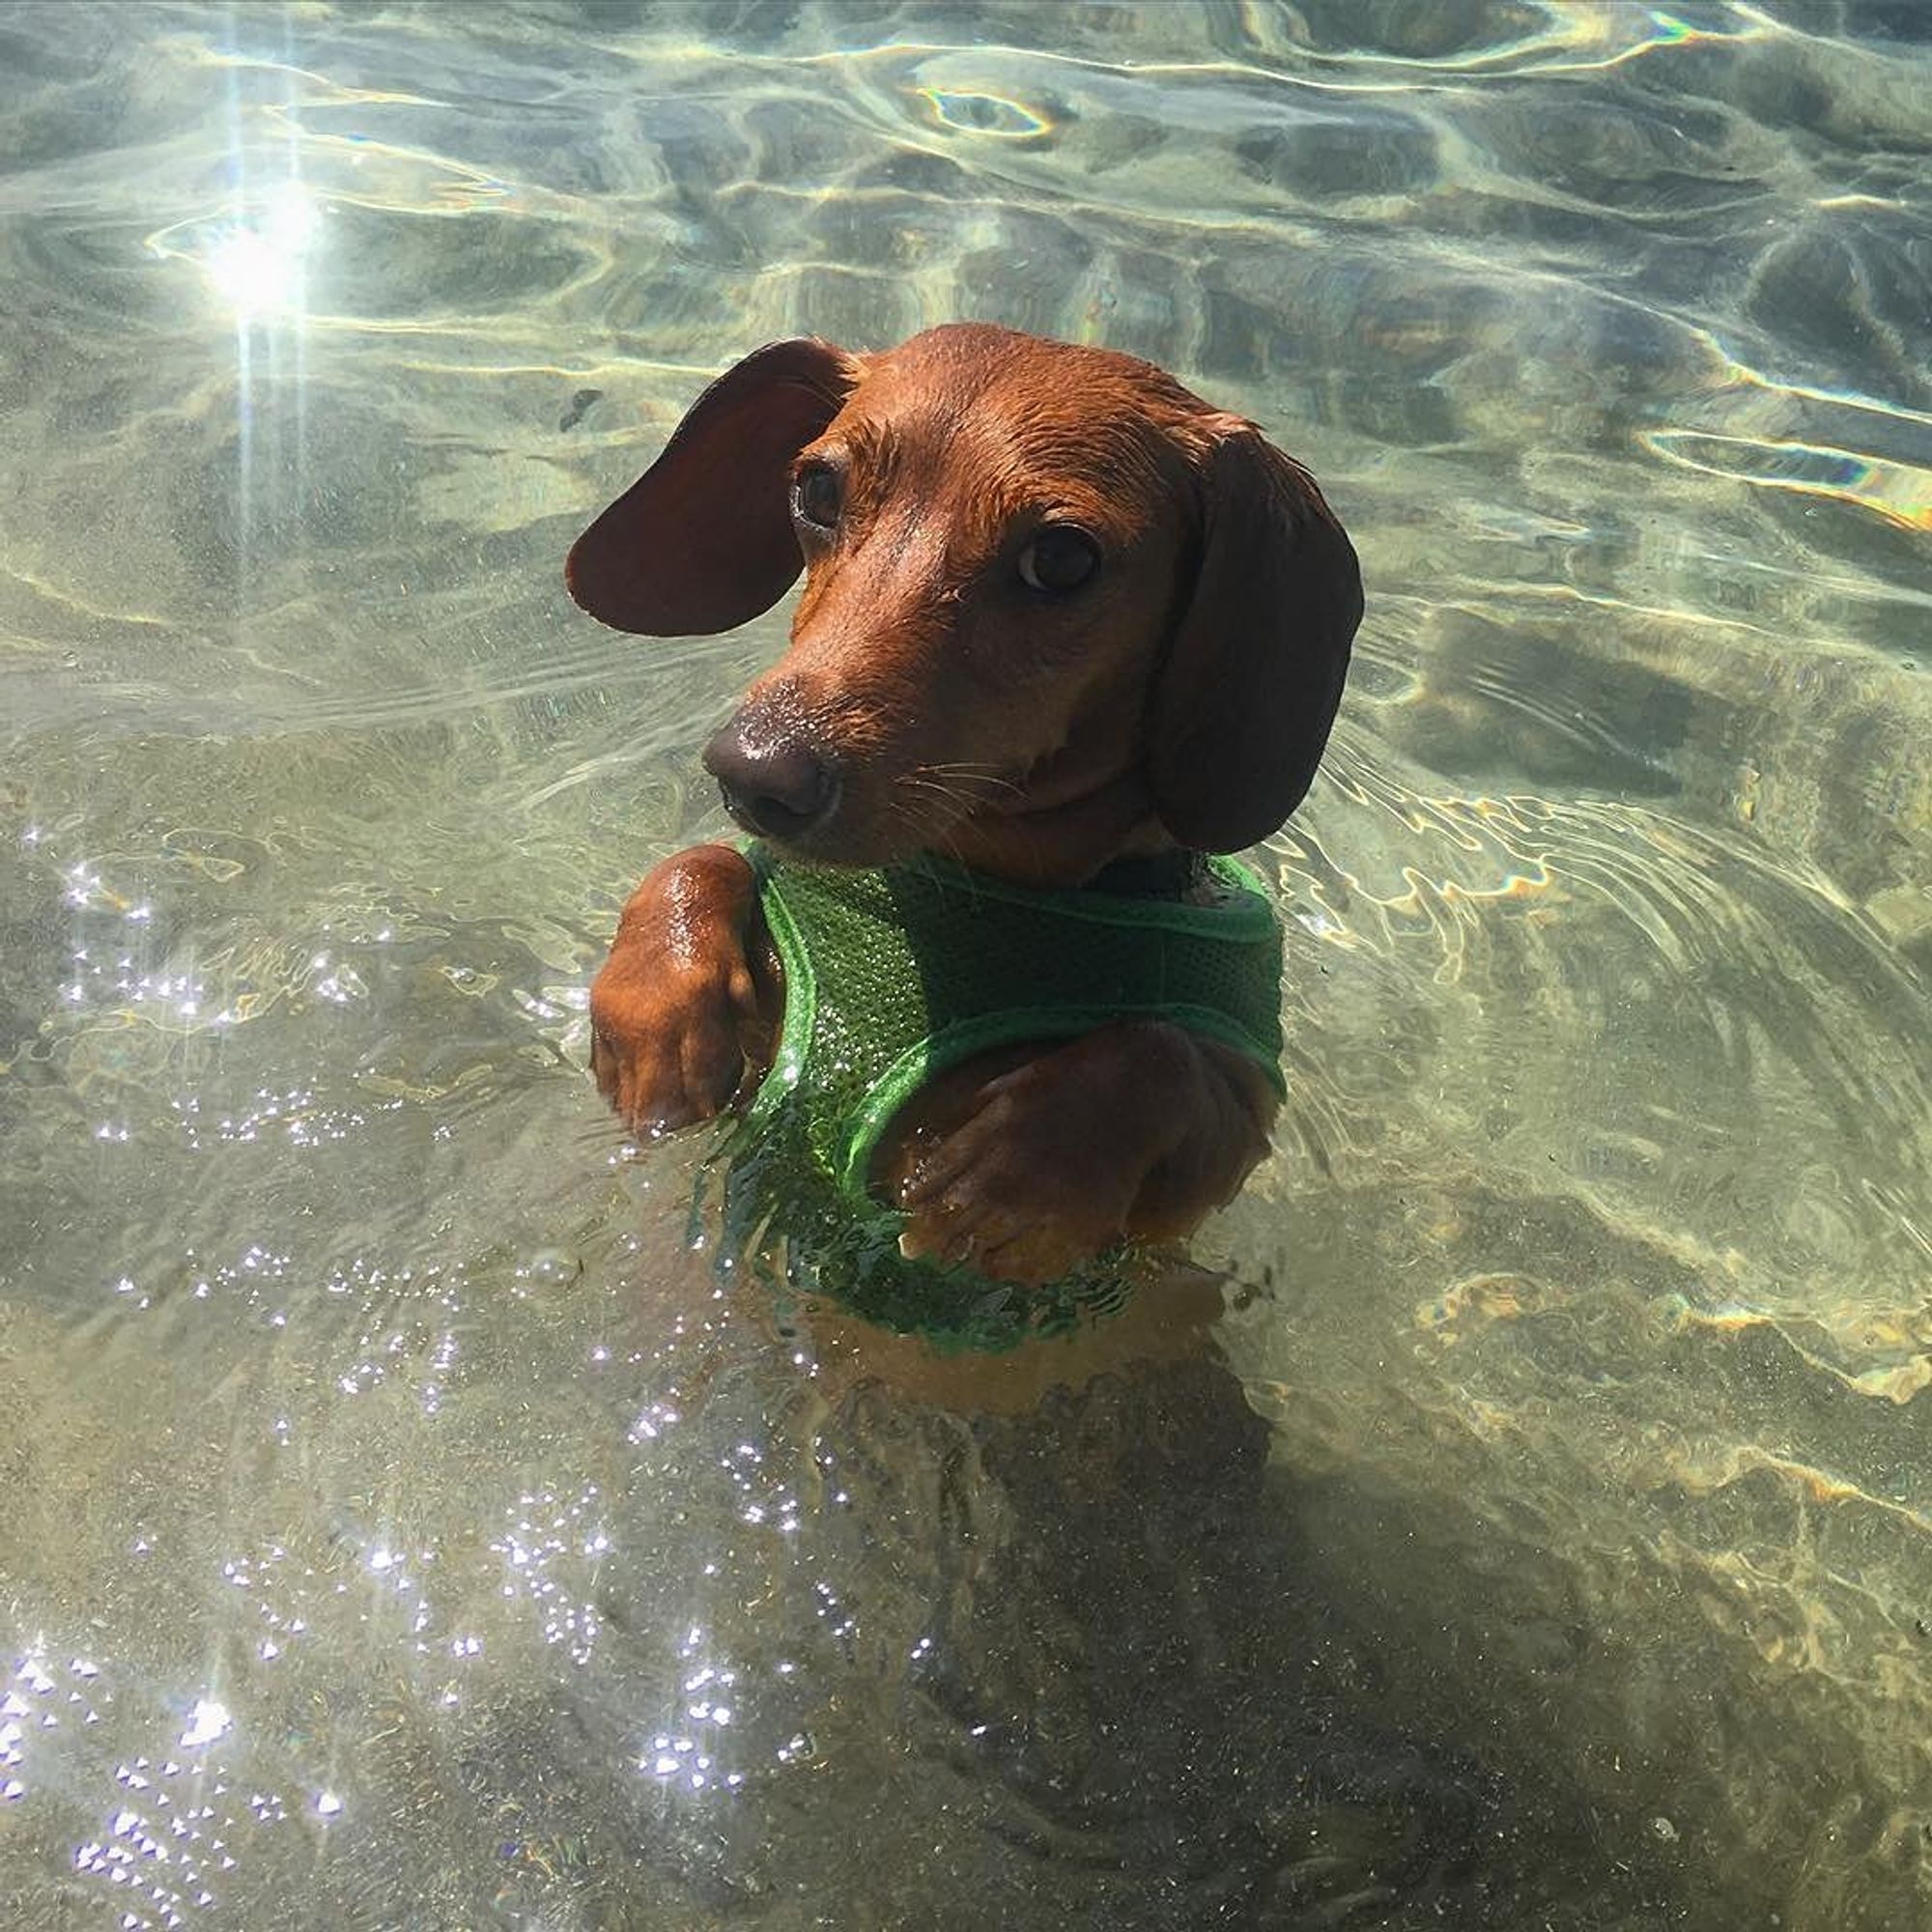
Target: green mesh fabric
point(891, 976)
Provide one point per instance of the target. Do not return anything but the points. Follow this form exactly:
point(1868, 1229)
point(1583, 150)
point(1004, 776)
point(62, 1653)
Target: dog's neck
point(1077, 810)
point(1062, 842)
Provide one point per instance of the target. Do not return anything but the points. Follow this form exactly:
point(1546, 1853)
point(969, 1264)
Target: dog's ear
point(703, 541)
point(1242, 703)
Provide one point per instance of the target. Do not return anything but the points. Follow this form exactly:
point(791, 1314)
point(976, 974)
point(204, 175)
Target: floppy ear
point(702, 540)
point(1242, 705)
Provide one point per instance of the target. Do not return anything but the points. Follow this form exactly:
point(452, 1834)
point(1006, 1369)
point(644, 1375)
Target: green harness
point(894, 974)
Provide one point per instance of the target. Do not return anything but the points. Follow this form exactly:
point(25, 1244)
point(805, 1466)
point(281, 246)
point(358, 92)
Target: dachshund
point(1064, 624)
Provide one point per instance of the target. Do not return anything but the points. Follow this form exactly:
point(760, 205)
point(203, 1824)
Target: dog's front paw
point(1024, 1190)
point(667, 1039)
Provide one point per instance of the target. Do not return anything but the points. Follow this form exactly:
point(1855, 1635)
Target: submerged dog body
point(1059, 613)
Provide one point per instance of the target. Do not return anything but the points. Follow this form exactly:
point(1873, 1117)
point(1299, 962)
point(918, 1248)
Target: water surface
point(401, 1525)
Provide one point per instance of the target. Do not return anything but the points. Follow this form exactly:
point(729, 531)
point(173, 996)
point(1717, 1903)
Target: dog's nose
point(778, 787)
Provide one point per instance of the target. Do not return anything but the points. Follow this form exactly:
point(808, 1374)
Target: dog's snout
point(778, 787)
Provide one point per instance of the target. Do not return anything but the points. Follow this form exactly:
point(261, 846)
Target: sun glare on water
point(259, 264)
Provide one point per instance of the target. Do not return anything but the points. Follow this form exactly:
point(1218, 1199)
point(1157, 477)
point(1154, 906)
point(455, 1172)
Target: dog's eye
point(1059, 559)
point(816, 495)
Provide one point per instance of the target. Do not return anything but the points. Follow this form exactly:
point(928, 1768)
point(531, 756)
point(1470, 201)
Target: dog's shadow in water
point(1099, 1678)
point(1151, 1688)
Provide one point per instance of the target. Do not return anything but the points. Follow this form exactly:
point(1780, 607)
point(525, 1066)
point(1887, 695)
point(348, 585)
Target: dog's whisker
point(926, 819)
point(945, 800)
point(971, 773)
point(953, 792)
point(933, 796)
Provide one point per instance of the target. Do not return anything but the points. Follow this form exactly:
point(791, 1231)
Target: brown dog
point(1059, 613)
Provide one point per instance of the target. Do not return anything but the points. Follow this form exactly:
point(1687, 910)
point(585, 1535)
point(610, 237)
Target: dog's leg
point(1135, 1131)
point(688, 1003)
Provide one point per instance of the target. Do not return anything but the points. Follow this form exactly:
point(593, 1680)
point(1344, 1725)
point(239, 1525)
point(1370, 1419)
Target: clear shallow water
point(398, 1523)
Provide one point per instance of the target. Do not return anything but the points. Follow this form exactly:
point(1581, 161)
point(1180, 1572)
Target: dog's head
point(1055, 607)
